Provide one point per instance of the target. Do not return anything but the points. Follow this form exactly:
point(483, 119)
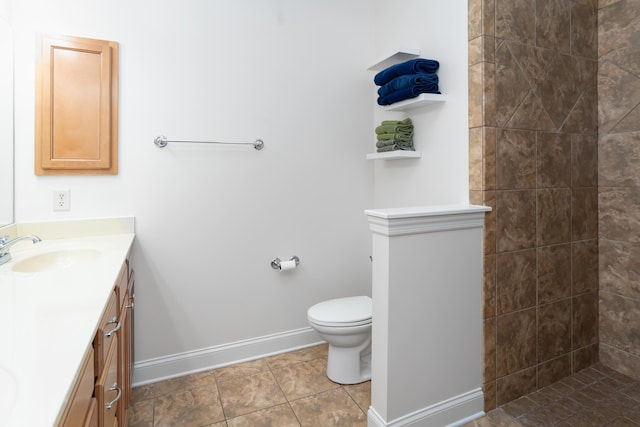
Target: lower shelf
point(397, 154)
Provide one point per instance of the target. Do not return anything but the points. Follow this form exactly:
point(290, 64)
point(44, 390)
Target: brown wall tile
point(620, 322)
point(620, 268)
point(515, 159)
point(474, 21)
point(554, 329)
point(584, 213)
point(476, 95)
point(515, 20)
point(554, 215)
point(515, 220)
point(515, 342)
point(489, 390)
point(553, 24)
point(475, 158)
point(511, 85)
point(554, 273)
point(489, 287)
point(515, 385)
point(619, 159)
point(554, 370)
point(584, 262)
point(489, 241)
point(585, 357)
point(585, 319)
point(584, 160)
point(489, 158)
point(625, 363)
point(584, 39)
point(619, 213)
point(489, 351)
point(515, 281)
point(554, 160)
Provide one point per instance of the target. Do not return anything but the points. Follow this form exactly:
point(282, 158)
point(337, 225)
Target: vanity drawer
point(107, 332)
point(82, 395)
point(108, 391)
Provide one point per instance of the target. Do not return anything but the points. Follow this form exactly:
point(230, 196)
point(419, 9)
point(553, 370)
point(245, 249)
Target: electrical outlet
point(61, 200)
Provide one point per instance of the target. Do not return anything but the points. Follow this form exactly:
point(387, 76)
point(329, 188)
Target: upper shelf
point(395, 58)
point(417, 102)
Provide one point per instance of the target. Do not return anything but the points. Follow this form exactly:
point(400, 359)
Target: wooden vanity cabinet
point(125, 367)
point(82, 404)
point(108, 391)
point(102, 393)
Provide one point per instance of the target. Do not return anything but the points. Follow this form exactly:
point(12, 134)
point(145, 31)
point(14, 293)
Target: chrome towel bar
point(161, 141)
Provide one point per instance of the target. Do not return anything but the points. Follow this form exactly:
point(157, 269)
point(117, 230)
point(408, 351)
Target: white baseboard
point(452, 412)
point(176, 365)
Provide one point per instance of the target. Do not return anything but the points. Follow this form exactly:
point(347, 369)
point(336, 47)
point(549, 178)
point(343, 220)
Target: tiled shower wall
point(533, 158)
point(619, 184)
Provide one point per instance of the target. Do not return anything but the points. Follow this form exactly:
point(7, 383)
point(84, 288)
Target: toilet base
point(349, 365)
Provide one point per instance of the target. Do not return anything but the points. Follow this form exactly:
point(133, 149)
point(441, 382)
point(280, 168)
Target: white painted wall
point(209, 219)
point(439, 30)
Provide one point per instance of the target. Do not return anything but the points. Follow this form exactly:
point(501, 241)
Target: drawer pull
point(118, 326)
point(113, 388)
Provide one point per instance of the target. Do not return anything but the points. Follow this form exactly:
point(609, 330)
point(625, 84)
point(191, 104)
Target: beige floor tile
point(141, 413)
point(188, 408)
point(298, 356)
point(143, 392)
point(200, 379)
point(276, 416)
point(240, 370)
point(361, 394)
point(331, 408)
point(302, 379)
point(242, 395)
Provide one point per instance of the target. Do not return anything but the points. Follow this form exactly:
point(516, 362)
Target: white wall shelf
point(417, 102)
point(396, 154)
point(395, 58)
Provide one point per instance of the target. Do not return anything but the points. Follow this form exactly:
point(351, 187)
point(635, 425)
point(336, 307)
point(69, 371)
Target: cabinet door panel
point(108, 390)
point(76, 106)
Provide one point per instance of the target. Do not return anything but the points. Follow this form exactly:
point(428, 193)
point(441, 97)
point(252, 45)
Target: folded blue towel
point(408, 80)
point(407, 93)
point(412, 66)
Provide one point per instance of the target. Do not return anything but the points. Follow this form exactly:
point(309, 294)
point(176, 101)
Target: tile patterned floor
point(594, 397)
point(285, 390)
point(292, 389)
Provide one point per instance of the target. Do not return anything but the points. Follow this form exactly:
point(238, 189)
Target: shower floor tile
point(594, 397)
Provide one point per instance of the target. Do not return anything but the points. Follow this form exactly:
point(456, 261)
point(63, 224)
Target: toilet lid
point(348, 311)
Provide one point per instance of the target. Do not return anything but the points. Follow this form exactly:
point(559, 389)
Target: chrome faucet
point(5, 244)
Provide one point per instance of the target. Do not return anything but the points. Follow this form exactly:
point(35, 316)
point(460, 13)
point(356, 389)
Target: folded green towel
point(406, 121)
point(395, 147)
point(394, 128)
point(400, 136)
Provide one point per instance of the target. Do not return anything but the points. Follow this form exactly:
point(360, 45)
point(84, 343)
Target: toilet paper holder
point(275, 263)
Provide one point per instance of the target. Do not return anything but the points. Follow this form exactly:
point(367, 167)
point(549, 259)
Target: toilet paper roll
point(287, 265)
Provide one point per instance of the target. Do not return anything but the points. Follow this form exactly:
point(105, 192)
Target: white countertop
point(48, 321)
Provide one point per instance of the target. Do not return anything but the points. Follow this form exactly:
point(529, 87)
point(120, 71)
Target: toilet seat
point(341, 312)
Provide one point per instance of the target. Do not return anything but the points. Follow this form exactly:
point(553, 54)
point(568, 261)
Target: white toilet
point(345, 323)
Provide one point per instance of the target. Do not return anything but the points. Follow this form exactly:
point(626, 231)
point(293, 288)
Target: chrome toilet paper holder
point(275, 263)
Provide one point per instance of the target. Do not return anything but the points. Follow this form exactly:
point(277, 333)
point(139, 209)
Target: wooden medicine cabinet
point(76, 123)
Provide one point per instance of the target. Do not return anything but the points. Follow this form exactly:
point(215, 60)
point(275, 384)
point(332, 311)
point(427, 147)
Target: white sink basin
point(57, 260)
